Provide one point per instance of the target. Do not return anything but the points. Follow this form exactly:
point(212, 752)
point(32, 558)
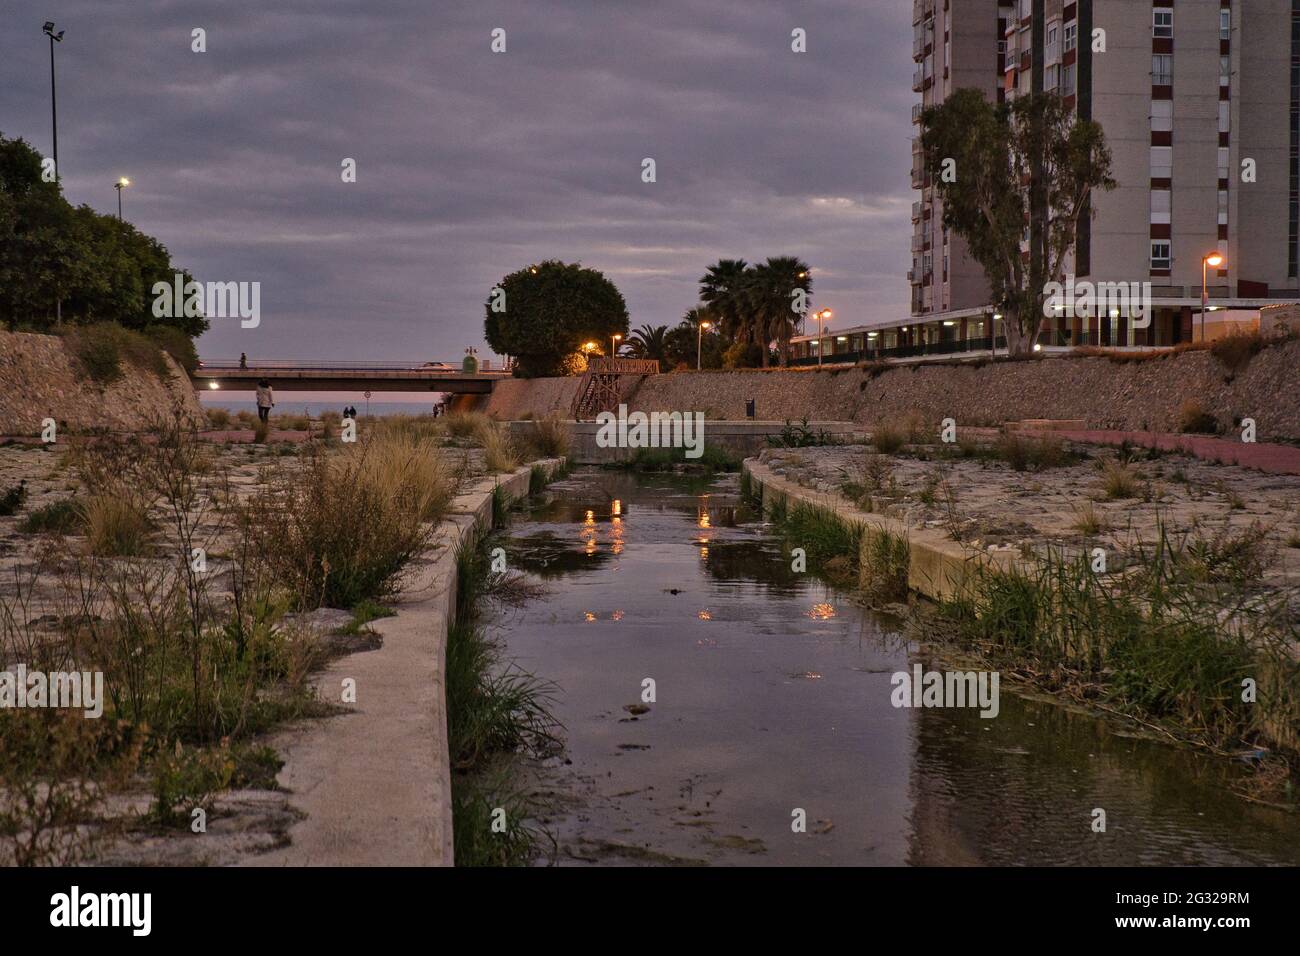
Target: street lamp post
point(1216, 260)
point(613, 345)
point(54, 123)
point(699, 343)
point(119, 186)
point(54, 102)
point(823, 314)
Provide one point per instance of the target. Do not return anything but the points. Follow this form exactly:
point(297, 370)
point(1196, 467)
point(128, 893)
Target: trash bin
point(469, 365)
point(749, 408)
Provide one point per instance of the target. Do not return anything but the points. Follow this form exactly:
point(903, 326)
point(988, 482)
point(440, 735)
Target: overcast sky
point(471, 164)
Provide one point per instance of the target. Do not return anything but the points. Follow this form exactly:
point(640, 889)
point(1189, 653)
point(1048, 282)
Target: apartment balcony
point(918, 80)
point(917, 242)
point(916, 212)
point(917, 110)
point(918, 177)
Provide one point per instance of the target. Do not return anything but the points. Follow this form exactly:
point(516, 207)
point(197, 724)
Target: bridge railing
point(359, 365)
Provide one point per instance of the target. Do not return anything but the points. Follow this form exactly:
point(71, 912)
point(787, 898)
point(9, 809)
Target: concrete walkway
point(1261, 456)
point(375, 782)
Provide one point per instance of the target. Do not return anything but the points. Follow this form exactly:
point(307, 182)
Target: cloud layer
point(470, 163)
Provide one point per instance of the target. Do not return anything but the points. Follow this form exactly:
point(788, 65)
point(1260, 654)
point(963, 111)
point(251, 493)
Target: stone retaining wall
point(1103, 393)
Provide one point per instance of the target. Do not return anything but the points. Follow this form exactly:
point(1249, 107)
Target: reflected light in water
point(618, 615)
point(822, 612)
point(618, 507)
point(705, 615)
point(588, 616)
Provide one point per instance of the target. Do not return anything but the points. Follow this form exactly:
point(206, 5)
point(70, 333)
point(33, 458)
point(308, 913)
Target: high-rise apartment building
point(1200, 103)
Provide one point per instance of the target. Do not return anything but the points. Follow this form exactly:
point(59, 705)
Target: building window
point(1162, 162)
point(1067, 84)
point(1225, 70)
point(1162, 69)
point(1162, 23)
point(1223, 207)
point(1161, 254)
point(1162, 116)
point(1223, 162)
point(1161, 206)
point(1052, 77)
point(1225, 24)
point(1225, 116)
point(1071, 36)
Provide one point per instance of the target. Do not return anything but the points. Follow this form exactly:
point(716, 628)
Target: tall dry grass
point(547, 438)
point(498, 451)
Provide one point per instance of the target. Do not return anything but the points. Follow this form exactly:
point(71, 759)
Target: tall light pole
point(613, 345)
point(1216, 260)
point(119, 186)
point(54, 102)
point(699, 343)
point(823, 314)
point(54, 122)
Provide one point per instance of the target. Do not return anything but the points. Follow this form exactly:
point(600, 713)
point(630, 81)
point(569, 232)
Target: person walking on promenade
point(243, 360)
point(265, 400)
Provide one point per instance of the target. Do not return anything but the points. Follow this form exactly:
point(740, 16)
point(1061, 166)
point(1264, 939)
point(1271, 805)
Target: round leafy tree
point(544, 314)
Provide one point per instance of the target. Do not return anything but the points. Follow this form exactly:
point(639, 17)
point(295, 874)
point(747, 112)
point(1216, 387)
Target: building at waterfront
point(1200, 103)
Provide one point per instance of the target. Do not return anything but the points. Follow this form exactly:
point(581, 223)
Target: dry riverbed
point(986, 505)
point(40, 572)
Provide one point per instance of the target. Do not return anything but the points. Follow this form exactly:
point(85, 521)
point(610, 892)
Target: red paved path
point(1273, 459)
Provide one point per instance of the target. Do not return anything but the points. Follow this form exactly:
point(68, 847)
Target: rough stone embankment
point(40, 378)
point(1101, 392)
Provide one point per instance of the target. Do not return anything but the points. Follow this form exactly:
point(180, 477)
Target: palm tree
point(771, 293)
point(723, 291)
point(649, 342)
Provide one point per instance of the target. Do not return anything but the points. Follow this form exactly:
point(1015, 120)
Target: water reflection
point(774, 692)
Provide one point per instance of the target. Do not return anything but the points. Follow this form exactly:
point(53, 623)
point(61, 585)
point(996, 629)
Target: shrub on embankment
point(340, 529)
point(1178, 639)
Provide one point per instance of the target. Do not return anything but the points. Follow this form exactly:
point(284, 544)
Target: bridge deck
point(342, 376)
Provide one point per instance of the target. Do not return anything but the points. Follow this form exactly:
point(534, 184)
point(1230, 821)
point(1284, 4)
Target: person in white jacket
point(265, 400)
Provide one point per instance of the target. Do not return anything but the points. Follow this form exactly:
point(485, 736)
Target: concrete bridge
point(296, 376)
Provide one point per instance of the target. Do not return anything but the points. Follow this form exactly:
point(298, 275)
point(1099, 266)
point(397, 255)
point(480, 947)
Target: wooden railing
point(622, 366)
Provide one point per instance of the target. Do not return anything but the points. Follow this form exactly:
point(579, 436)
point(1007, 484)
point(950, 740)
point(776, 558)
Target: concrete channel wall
point(375, 783)
point(738, 439)
point(937, 566)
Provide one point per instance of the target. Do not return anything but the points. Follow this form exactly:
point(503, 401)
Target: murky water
point(773, 695)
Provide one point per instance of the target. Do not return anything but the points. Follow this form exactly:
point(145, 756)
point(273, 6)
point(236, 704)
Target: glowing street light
point(1216, 260)
point(119, 186)
point(613, 345)
point(823, 315)
point(699, 342)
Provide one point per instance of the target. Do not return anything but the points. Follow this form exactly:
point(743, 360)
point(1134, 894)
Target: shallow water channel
point(773, 694)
